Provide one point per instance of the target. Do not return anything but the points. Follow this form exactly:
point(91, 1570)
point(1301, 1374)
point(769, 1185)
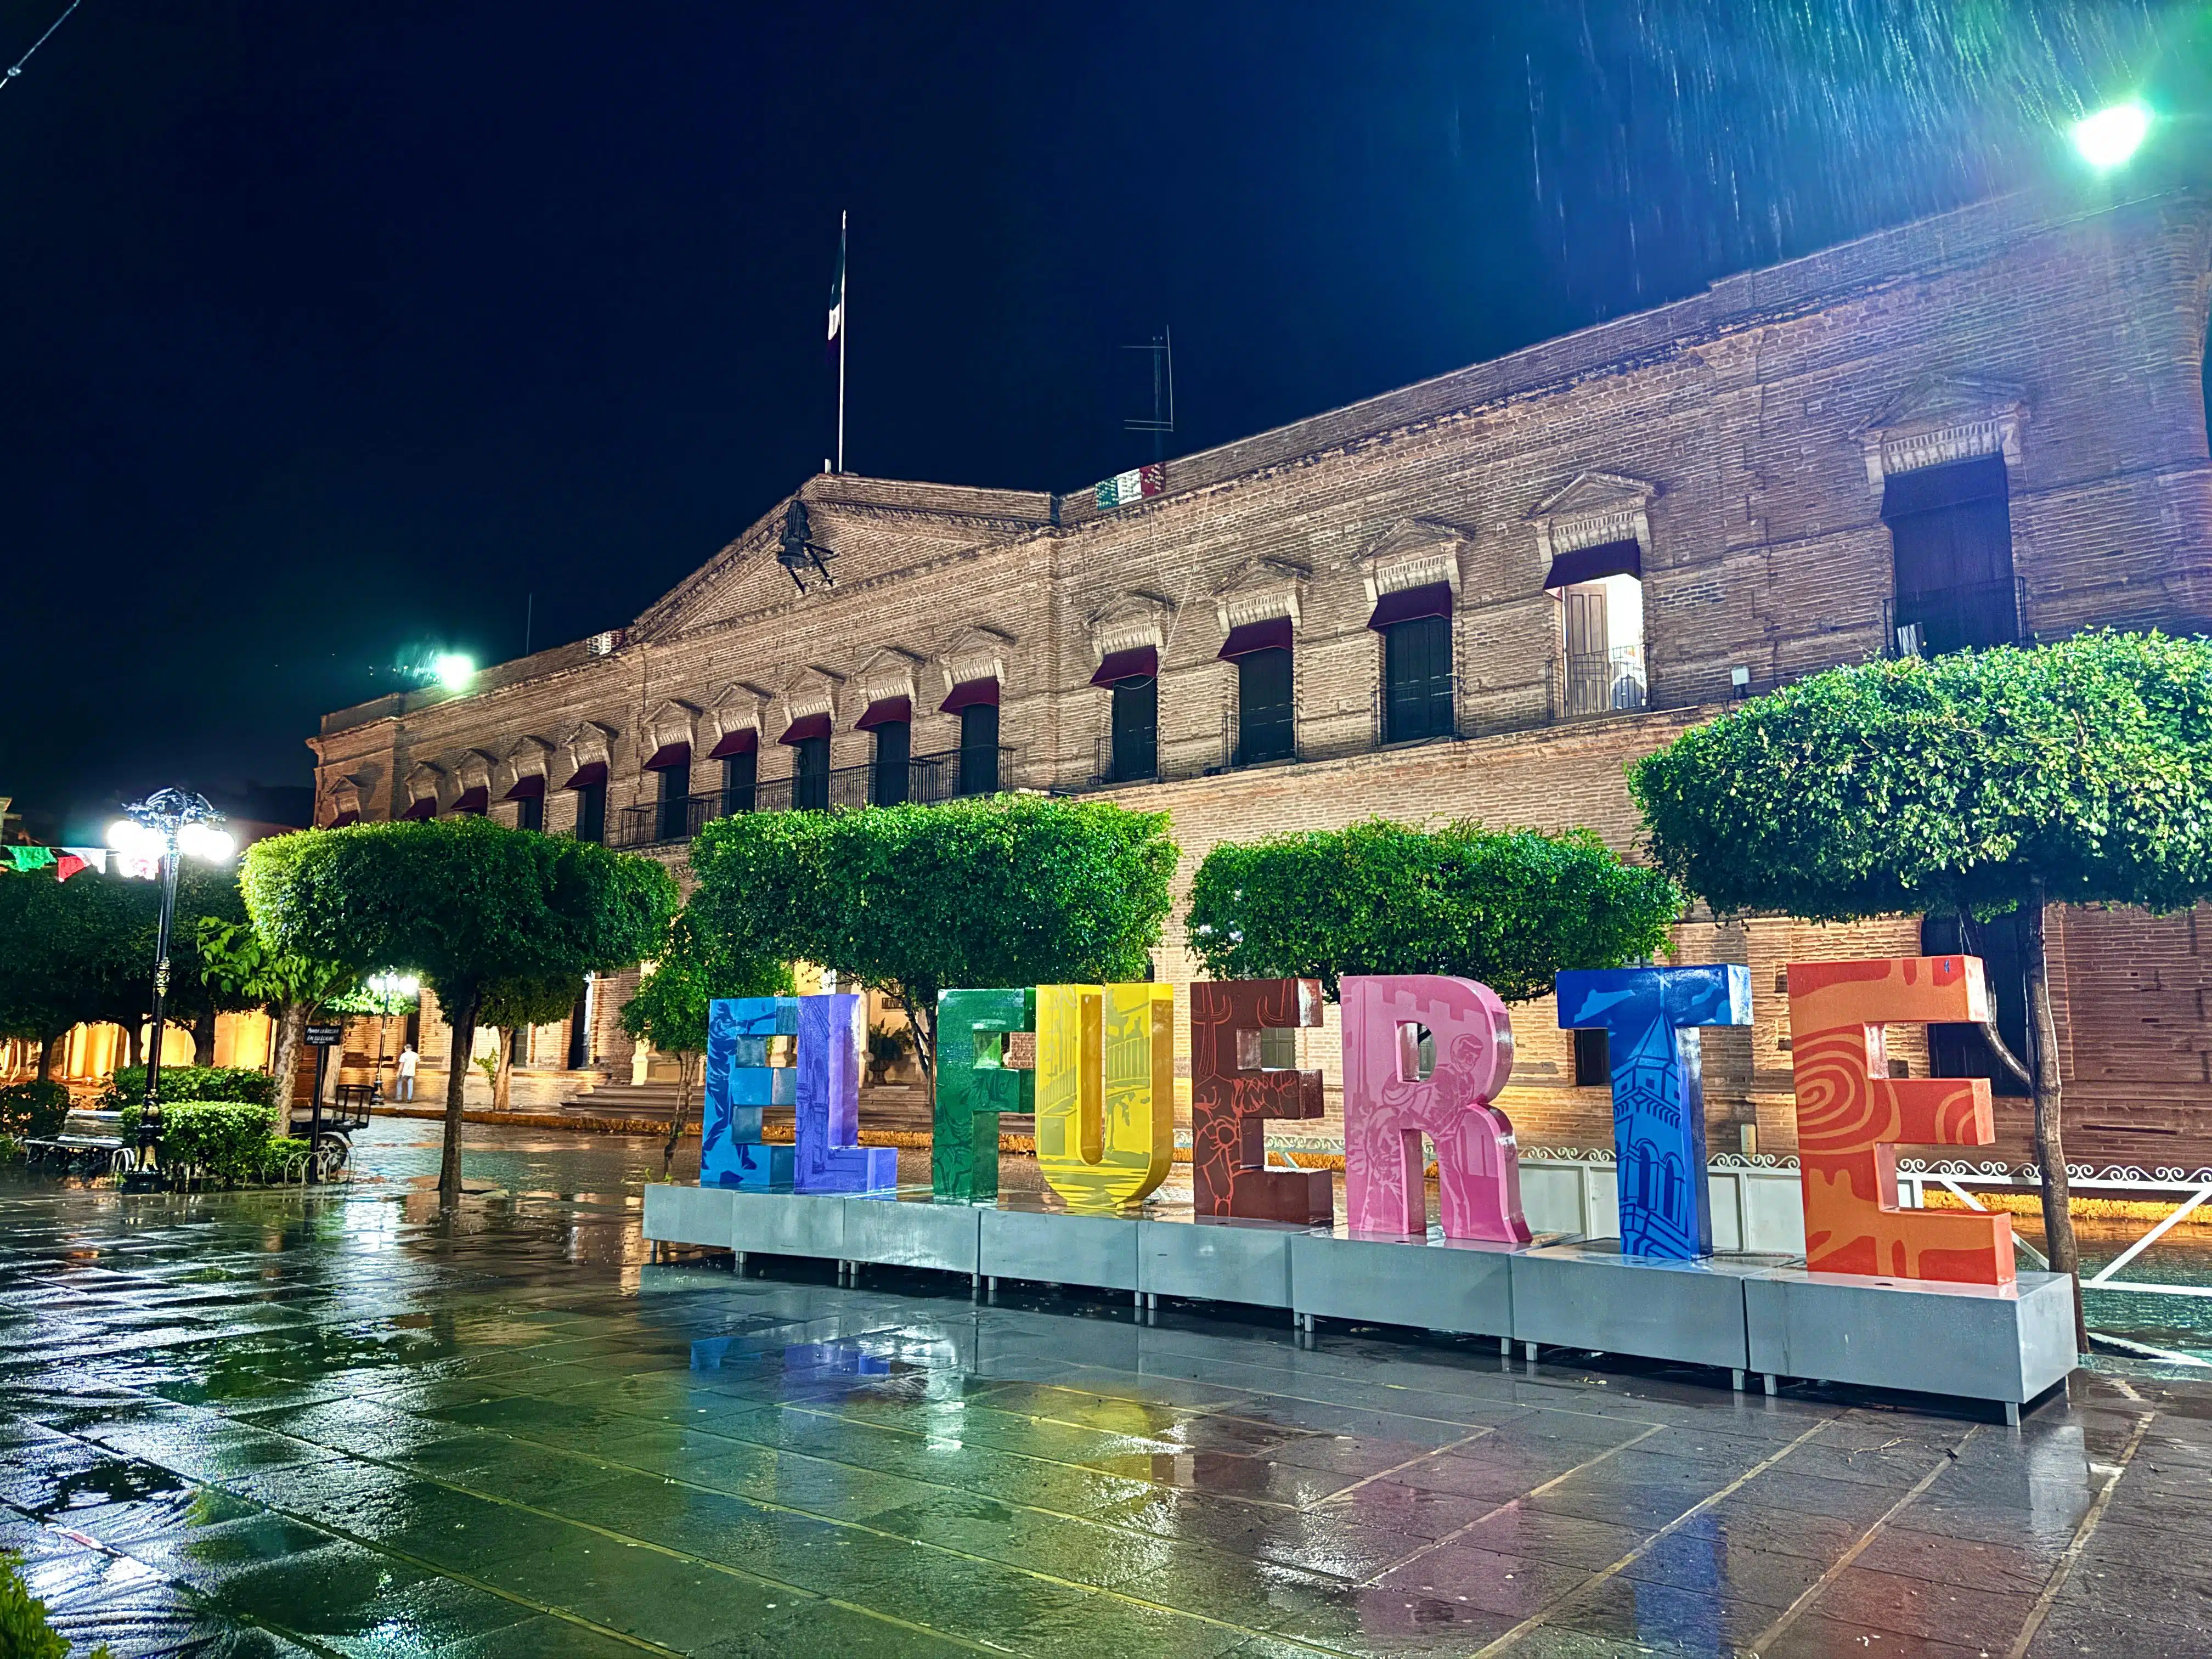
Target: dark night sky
point(332, 330)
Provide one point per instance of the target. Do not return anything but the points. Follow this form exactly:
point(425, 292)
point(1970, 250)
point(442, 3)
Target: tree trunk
point(46, 1055)
point(2050, 1144)
point(134, 1042)
point(921, 1016)
point(687, 1070)
point(203, 1038)
point(503, 1078)
point(284, 1064)
point(461, 1020)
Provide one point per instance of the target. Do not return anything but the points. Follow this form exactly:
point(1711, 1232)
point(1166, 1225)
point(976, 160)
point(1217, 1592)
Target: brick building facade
point(1478, 595)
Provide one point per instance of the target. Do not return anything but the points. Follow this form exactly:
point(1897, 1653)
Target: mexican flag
point(1133, 485)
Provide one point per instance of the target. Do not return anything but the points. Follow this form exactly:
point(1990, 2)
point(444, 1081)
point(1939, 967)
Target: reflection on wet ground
point(263, 1423)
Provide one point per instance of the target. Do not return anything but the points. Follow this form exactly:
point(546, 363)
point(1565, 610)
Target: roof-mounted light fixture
point(797, 552)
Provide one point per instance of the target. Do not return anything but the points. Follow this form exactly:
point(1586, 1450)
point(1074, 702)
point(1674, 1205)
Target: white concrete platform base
point(1737, 1314)
point(2008, 1344)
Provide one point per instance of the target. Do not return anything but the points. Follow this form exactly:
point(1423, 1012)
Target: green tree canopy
point(83, 950)
point(1951, 784)
point(1510, 909)
point(1004, 891)
point(237, 960)
point(467, 903)
point(70, 950)
point(690, 970)
point(205, 895)
point(1980, 781)
point(511, 1004)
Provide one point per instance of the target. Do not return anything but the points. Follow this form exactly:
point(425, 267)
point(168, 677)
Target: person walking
point(408, 1059)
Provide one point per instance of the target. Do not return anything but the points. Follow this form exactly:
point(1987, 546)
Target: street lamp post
point(167, 823)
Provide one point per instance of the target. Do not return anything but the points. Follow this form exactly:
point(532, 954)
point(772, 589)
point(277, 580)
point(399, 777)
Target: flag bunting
point(1133, 485)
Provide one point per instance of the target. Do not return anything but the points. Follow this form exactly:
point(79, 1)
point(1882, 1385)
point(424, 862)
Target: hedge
point(192, 1083)
point(32, 1110)
point(224, 1140)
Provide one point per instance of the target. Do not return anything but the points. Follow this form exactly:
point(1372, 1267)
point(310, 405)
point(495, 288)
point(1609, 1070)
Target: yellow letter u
point(1105, 1092)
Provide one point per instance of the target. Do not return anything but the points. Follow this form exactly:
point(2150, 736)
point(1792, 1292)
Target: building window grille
point(888, 782)
point(1267, 720)
point(1964, 1050)
point(1593, 1059)
point(1417, 679)
point(740, 782)
point(590, 811)
point(1601, 592)
point(674, 802)
point(530, 813)
point(810, 774)
point(1136, 715)
point(1950, 530)
point(979, 749)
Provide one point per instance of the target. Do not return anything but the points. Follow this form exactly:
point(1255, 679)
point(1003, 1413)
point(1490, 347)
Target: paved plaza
point(265, 1423)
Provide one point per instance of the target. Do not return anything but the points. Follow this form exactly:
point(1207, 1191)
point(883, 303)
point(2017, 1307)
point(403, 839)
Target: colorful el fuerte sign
point(1102, 1088)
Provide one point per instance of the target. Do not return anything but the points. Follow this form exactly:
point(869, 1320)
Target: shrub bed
point(32, 1110)
point(223, 1141)
point(192, 1083)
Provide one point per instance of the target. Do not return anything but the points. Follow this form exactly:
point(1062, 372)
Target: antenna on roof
point(1162, 348)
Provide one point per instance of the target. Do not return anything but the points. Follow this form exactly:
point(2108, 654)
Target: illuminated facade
point(1478, 595)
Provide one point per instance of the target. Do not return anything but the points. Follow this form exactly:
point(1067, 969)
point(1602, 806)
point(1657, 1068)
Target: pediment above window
point(671, 721)
point(1941, 418)
point(525, 757)
point(1591, 509)
point(740, 706)
point(890, 672)
point(426, 780)
point(475, 768)
point(1412, 553)
point(975, 653)
point(591, 741)
point(813, 690)
point(1261, 590)
point(1131, 623)
point(528, 757)
point(346, 794)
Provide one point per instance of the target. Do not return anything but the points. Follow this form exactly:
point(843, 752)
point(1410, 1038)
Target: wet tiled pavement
point(259, 1424)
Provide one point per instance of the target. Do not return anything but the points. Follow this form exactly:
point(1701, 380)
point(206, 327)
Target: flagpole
point(844, 328)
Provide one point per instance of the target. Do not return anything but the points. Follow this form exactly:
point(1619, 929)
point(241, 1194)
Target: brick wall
point(1742, 430)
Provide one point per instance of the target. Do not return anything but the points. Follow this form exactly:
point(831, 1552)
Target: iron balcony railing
point(1974, 614)
point(1605, 681)
point(927, 780)
point(1135, 758)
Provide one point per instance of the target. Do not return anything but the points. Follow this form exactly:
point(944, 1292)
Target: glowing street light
point(165, 824)
point(2107, 139)
point(455, 670)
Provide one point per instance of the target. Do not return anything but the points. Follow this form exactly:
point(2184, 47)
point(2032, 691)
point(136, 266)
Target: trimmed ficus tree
point(235, 957)
point(69, 950)
point(1510, 909)
point(514, 1005)
point(464, 902)
point(1979, 783)
point(910, 900)
point(82, 950)
point(690, 970)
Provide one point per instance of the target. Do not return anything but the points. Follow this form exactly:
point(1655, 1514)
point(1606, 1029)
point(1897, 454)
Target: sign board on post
point(322, 1039)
